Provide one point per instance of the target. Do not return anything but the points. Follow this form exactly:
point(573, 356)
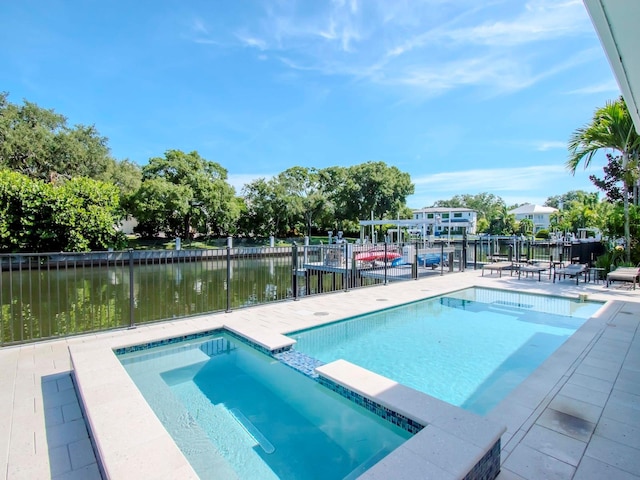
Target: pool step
point(505, 310)
point(368, 463)
point(252, 430)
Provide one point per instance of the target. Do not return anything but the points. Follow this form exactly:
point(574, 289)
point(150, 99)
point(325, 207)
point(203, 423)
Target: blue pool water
point(469, 348)
point(238, 413)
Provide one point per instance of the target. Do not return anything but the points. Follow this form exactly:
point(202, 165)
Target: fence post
point(465, 245)
point(228, 275)
point(475, 254)
point(385, 261)
point(294, 280)
point(441, 258)
point(346, 266)
point(414, 264)
point(132, 303)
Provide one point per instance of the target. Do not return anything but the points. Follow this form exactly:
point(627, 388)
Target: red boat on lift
point(377, 256)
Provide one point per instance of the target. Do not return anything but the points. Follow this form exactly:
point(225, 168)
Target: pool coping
point(103, 385)
point(453, 440)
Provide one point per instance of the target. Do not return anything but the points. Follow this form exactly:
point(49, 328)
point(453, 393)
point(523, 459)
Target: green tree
point(503, 222)
point(526, 226)
point(614, 224)
point(374, 187)
point(305, 197)
point(127, 177)
point(75, 215)
point(38, 143)
point(267, 207)
point(332, 180)
point(195, 194)
point(86, 215)
point(334, 198)
point(160, 207)
point(560, 222)
point(611, 128)
point(577, 209)
point(610, 183)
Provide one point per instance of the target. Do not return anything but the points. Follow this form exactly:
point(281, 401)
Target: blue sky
point(465, 96)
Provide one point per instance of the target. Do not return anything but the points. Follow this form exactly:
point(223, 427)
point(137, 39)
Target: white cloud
point(496, 73)
point(198, 26)
point(610, 86)
point(431, 46)
point(532, 184)
point(544, 145)
point(199, 32)
point(501, 74)
point(540, 20)
point(252, 41)
point(491, 180)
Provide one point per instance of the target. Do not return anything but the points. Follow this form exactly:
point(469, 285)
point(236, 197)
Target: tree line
point(60, 189)
point(54, 177)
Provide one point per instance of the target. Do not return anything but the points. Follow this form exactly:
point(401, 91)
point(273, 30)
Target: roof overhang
point(616, 22)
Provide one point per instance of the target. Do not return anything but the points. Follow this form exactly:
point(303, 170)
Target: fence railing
point(517, 249)
point(58, 294)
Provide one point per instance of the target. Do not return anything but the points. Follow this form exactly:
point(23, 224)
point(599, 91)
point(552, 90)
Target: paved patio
point(577, 416)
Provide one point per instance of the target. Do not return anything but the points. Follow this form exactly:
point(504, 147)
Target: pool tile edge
point(473, 440)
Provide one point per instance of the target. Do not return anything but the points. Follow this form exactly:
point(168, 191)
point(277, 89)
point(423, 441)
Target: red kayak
point(375, 256)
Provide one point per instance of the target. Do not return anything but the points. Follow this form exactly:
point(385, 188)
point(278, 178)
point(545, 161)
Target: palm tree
point(611, 128)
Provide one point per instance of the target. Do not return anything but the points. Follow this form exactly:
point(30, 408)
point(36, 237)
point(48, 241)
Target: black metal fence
point(520, 249)
point(59, 294)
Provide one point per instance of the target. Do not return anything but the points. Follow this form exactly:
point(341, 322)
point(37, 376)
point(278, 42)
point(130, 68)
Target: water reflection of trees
point(57, 302)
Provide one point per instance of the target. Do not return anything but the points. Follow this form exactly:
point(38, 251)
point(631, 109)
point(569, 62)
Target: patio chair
point(499, 266)
point(624, 274)
point(574, 270)
point(531, 269)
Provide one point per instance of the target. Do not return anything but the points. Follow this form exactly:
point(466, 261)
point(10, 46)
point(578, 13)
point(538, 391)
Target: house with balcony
point(440, 221)
point(426, 223)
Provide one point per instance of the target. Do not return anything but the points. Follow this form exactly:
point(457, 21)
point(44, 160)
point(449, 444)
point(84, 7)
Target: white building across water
point(443, 221)
point(539, 215)
point(426, 223)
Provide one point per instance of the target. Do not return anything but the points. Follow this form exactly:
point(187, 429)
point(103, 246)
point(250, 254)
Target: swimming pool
point(238, 413)
point(469, 348)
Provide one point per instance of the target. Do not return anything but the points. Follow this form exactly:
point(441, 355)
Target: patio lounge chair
point(575, 270)
point(531, 269)
point(624, 274)
point(499, 266)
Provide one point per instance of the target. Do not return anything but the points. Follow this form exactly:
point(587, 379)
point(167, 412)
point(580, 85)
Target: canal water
point(49, 302)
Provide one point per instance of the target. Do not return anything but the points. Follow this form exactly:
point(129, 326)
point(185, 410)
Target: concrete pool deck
point(577, 416)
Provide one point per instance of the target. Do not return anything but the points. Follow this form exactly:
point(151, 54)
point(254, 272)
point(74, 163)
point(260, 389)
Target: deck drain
point(382, 300)
point(321, 314)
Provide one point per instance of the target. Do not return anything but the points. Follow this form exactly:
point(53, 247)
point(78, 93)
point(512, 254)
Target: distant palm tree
point(611, 128)
point(503, 222)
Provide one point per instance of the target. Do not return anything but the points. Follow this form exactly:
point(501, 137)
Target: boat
point(429, 259)
point(377, 256)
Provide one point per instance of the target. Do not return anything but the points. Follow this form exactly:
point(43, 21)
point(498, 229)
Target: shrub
point(542, 234)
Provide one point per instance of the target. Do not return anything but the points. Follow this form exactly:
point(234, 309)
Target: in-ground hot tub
point(235, 411)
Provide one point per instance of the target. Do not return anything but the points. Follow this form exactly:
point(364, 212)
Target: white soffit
point(618, 25)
